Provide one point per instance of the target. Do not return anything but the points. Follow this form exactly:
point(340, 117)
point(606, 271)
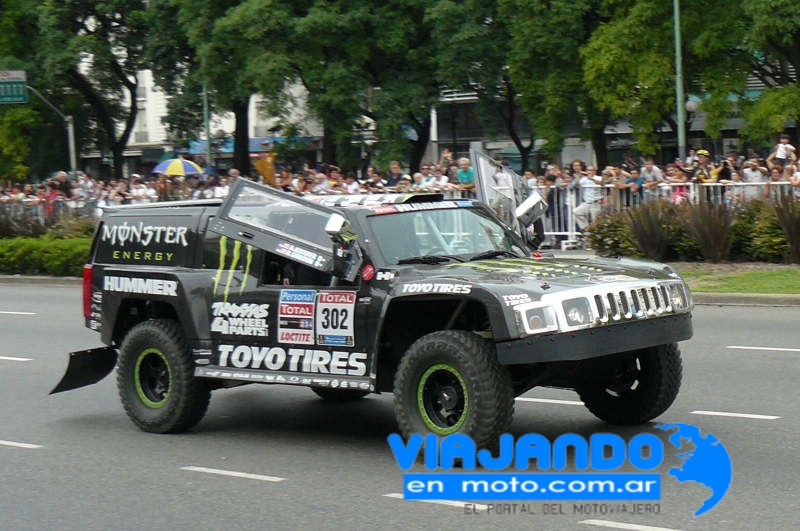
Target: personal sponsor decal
point(301, 360)
point(143, 235)
point(145, 286)
point(514, 300)
point(335, 318)
point(236, 254)
point(244, 319)
point(301, 255)
point(434, 287)
point(296, 316)
point(612, 474)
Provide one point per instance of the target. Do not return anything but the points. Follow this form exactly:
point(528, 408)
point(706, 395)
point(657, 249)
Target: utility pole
point(679, 96)
point(69, 122)
point(207, 126)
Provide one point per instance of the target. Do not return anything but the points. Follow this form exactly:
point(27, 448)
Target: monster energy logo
point(235, 257)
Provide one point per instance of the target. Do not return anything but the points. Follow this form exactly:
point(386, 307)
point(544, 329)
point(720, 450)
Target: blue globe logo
point(708, 464)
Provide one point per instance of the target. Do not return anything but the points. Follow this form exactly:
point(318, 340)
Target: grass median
point(741, 278)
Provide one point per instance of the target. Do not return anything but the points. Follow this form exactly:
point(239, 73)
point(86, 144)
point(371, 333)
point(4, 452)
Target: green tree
point(96, 49)
point(472, 43)
point(546, 67)
point(223, 57)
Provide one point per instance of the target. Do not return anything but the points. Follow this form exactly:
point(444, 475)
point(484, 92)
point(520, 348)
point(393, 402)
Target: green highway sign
point(13, 86)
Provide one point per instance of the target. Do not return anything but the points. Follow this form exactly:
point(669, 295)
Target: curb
point(703, 299)
point(40, 280)
point(746, 299)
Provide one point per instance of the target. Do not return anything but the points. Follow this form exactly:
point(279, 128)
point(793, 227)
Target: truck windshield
point(453, 232)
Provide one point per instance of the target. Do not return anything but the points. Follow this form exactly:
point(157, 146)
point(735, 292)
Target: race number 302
point(335, 318)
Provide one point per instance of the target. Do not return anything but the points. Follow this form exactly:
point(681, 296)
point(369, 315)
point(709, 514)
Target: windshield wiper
point(494, 253)
point(429, 259)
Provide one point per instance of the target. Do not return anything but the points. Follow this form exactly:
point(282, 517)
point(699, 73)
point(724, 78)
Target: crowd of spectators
point(591, 189)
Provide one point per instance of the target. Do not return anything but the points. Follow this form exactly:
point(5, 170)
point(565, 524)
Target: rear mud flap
point(87, 367)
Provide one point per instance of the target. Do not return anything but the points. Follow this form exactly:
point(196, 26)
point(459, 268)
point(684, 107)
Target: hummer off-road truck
point(437, 301)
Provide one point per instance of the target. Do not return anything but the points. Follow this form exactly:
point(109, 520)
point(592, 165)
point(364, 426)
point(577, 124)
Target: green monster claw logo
point(236, 255)
point(540, 269)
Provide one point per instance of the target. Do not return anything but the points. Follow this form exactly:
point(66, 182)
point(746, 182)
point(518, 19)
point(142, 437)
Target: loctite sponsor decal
point(143, 235)
point(296, 316)
point(433, 287)
point(334, 318)
point(146, 286)
point(240, 319)
point(302, 360)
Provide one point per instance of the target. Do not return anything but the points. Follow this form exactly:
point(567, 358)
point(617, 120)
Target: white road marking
point(776, 349)
point(448, 503)
point(17, 313)
point(20, 445)
point(740, 415)
point(231, 473)
point(623, 525)
point(12, 358)
point(551, 401)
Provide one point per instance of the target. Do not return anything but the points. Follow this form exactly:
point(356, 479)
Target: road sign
point(13, 86)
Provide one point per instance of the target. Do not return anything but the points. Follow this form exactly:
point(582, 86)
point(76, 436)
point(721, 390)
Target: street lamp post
point(69, 122)
point(679, 97)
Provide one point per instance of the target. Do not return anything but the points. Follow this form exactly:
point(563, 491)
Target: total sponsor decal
point(433, 287)
point(144, 235)
point(301, 255)
point(335, 318)
point(514, 300)
point(296, 316)
point(240, 319)
point(309, 361)
point(146, 286)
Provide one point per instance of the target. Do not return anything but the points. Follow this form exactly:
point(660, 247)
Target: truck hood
point(549, 274)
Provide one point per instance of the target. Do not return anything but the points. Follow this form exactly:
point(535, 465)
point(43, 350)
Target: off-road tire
point(339, 395)
point(658, 380)
point(472, 361)
point(160, 343)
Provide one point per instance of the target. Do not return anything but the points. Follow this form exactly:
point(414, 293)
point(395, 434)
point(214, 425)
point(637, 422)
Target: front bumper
point(595, 342)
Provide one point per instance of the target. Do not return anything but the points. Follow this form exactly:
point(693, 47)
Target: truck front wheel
point(634, 387)
point(450, 382)
point(155, 378)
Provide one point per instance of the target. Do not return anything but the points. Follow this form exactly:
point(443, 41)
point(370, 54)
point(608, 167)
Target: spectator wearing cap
point(404, 184)
point(702, 171)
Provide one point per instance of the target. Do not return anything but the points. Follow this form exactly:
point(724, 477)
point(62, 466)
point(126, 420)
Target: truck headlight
point(679, 297)
point(536, 318)
point(577, 311)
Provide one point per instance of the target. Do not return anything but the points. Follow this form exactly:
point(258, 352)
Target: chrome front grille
point(637, 302)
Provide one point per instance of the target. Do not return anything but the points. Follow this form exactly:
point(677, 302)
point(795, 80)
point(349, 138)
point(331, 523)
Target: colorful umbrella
point(178, 167)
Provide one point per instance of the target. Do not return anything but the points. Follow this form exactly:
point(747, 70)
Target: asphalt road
point(92, 469)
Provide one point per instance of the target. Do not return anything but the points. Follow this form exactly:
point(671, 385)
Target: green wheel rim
point(152, 377)
point(442, 399)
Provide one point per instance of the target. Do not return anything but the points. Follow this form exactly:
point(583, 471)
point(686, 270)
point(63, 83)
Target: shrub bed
point(759, 230)
point(44, 256)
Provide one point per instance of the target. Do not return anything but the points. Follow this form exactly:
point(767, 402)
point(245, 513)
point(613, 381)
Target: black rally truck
point(434, 300)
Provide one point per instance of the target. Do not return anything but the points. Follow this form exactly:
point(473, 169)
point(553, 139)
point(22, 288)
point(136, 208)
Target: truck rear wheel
point(450, 382)
point(339, 395)
point(155, 379)
point(642, 386)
